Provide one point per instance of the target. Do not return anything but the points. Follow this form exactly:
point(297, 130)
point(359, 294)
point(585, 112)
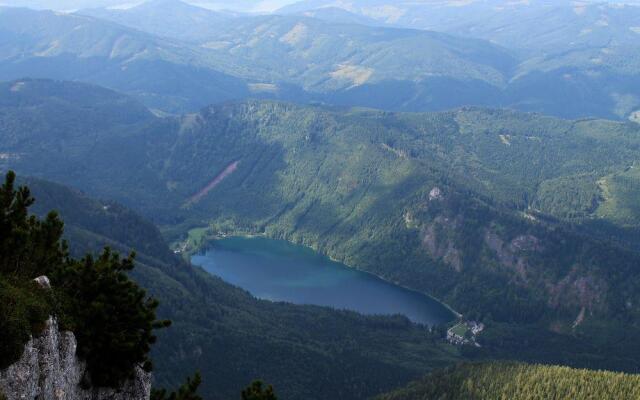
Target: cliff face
point(50, 370)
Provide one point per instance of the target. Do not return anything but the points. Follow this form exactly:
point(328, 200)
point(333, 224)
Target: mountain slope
point(164, 74)
point(276, 57)
point(316, 50)
point(549, 34)
point(233, 338)
point(519, 382)
point(358, 186)
point(170, 18)
point(575, 59)
point(538, 25)
point(302, 59)
point(419, 199)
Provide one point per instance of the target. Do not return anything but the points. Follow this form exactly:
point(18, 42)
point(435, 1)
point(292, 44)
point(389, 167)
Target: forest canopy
point(517, 381)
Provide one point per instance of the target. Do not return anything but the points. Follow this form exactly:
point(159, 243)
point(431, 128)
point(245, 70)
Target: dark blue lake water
point(280, 271)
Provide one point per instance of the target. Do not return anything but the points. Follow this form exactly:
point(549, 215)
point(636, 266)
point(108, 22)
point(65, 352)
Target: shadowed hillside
point(444, 203)
point(306, 352)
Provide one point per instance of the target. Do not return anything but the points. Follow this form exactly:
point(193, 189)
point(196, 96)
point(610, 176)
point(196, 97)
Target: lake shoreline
point(212, 239)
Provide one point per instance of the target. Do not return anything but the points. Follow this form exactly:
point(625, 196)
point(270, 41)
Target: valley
point(346, 200)
point(451, 212)
point(213, 320)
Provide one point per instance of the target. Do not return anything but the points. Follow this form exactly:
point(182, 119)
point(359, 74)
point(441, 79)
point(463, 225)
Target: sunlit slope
point(162, 73)
point(575, 58)
point(519, 382)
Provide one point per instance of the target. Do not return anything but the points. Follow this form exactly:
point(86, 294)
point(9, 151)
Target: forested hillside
point(519, 382)
point(417, 199)
point(562, 59)
point(176, 59)
point(445, 203)
point(319, 60)
point(549, 26)
point(167, 18)
point(164, 74)
point(233, 338)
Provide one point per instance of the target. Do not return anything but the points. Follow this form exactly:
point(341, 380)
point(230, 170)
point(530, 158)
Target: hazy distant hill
point(169, 18)
point(302, 59)
point(455, 204)
point(576, 59)
point(66, 5)
point(175, 76)
point(162, 73)
point(546, 25)
point(328, 57)
point(340, 15)
point(316, 55)
point(277, 57)
point(556, 33)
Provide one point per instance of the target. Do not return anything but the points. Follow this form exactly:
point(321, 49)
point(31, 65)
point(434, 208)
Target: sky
point(260, 6)
point(247, 5)
point(236, 5)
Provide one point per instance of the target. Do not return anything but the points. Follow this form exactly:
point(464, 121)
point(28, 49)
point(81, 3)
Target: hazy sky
point(247, 5)
point(236, 5)
point(239, 5)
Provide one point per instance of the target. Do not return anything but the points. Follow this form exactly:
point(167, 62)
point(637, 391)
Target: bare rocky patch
point(356, 74)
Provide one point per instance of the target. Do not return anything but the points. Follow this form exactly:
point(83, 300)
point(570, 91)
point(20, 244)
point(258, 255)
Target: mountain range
point(181, 57)
point(536, 25)
point(481, 152)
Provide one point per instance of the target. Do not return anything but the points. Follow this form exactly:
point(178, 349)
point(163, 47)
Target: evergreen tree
point(112, 316)
point(28, 246)
point(515, 381)
point(256, 391)
point(188, 391)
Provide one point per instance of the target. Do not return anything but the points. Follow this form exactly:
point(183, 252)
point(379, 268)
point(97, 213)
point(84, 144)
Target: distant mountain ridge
point(171, 18)
point(217, 57)
point(549, 23)
point(164, 74)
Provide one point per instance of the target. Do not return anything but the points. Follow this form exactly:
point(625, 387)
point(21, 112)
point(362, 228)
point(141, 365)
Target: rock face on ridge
point(50, 370)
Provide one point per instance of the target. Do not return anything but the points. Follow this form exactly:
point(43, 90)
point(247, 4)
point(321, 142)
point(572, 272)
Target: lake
point(280, 271)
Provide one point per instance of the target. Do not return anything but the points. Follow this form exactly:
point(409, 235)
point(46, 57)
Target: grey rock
point(43, 282)
point(49, 369)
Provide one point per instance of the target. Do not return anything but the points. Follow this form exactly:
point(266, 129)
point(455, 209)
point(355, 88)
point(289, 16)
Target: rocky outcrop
point(579, 290)
point(438, 243)
point(50, 370)
point(510, 254)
